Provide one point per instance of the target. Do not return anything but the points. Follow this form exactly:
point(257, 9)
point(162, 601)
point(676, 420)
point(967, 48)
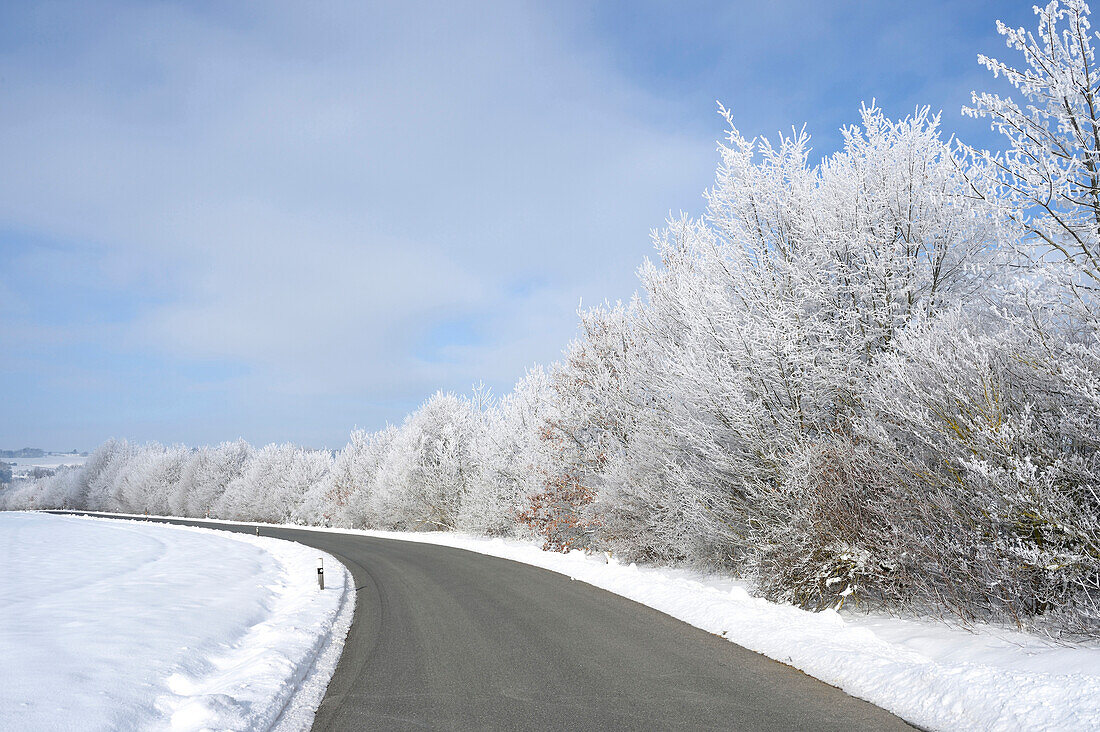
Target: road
point(448, 639)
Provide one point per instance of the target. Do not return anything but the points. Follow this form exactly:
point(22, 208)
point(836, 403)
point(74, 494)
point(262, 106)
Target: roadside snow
point(112, 624)
point(931, 674)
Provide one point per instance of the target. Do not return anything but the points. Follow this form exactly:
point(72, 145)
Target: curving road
point(448, 639)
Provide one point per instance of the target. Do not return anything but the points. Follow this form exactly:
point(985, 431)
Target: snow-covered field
point(931, 674)
point(112, 624)
point(21, 467)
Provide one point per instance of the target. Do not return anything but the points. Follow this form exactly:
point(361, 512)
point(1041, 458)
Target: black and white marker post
point(321, 572)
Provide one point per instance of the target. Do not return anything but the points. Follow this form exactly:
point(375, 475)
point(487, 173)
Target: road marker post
point(321, 573)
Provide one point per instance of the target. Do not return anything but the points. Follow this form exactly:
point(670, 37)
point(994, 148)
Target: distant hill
point(26, 452)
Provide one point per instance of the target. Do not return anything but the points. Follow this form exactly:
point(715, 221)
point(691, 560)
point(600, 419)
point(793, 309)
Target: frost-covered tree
point(428, 467)
point(763, 321)
point(1051, 168)
point(355, 477)
point(102, 471)
point(507, 458)
point(150, 478)
point(62, 488)
point(273, 484)
point(207, 474)
point(589, 420)
point(348, 496)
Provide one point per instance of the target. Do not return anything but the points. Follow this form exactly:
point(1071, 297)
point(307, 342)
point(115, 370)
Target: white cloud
point(313, 189)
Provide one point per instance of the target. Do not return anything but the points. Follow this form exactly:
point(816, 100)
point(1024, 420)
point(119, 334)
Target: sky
point(282, 220)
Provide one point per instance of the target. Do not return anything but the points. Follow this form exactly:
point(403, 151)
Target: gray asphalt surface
point(447, 639)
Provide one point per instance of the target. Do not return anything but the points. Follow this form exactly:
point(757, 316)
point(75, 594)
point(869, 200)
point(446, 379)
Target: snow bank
point(933, 675)
point(114, 624)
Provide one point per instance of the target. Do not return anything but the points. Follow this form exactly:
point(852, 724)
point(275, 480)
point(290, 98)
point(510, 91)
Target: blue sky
point(280, 221)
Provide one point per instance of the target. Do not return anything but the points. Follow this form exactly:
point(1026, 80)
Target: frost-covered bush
point(1007, 419)
point(997, 419)
point(824, 535)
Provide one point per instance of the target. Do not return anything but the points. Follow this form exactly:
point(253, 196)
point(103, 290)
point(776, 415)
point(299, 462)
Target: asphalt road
point(448, 639)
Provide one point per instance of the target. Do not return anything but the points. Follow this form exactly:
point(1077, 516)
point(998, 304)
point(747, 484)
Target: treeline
point(874, 381)
point(26, 452)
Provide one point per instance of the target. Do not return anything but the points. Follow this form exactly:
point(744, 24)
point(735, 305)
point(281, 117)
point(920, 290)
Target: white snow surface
point(932, 674)
point(110, 624)
point(21, 467)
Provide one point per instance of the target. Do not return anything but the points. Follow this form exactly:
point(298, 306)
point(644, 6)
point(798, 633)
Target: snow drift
point(113, 624)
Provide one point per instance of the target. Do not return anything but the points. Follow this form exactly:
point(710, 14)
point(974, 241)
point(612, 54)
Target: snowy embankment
point(114, 624)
